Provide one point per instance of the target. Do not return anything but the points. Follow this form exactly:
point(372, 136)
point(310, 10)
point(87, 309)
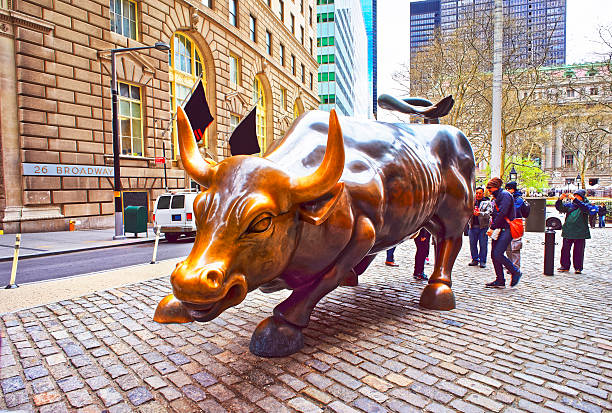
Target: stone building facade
point(56, 147)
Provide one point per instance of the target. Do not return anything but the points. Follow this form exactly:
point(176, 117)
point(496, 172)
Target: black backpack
point(525, 208)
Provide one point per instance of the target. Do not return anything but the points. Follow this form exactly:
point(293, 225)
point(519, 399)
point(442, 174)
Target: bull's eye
point(260, 224)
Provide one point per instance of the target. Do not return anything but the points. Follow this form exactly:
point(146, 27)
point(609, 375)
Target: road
point(84, 262)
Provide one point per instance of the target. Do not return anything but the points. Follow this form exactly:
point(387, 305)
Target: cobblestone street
point(543, 346)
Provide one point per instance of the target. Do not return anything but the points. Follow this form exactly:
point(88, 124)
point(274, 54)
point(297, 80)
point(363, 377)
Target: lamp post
point(513, 174)
point(578, 178)
point(161, 46)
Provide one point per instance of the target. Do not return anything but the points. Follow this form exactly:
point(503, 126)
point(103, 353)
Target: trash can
point(536, 221)
point(135, 220)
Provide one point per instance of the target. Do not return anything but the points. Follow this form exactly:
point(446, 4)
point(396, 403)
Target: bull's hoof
point(351, 280)
point(437, 296)
point(275, 337)
point(170, 310)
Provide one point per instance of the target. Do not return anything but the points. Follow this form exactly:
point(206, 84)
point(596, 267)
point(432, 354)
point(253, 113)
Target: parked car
point(173, 215)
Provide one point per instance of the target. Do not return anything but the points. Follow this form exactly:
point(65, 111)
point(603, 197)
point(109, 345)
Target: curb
point(60, 252)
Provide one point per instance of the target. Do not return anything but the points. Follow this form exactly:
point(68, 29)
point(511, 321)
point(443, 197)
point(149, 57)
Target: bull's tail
point(418, 106)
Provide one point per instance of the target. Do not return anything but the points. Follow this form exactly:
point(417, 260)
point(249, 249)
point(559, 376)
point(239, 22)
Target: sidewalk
point(544, 346)
point(50, 243)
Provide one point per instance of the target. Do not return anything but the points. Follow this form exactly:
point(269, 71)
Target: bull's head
point(247, 220)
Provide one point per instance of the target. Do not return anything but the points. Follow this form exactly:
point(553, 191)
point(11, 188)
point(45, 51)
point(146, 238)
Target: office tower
point(542, 24)
point(368, 8)
point(343, 57)
point(424, 21)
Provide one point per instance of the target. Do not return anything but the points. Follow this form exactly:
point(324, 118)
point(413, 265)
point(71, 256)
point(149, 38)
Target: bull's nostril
point(213, 278)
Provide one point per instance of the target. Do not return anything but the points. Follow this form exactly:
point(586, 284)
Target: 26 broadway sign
point(54, 169)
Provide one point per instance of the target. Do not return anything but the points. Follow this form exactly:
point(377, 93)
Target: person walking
point(478, 226)
point(521, 210)
point(602, 211)
point(422, 251)
point(575, 230)
point(390, 258)
point(503, 209)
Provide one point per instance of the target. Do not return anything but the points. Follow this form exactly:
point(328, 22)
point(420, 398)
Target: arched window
point(296, 111)
point(260, 100)
point(185, 68)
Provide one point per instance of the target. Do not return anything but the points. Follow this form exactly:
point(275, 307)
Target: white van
point(173, 214)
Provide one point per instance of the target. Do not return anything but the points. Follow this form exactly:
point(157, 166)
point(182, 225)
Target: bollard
point(549, 252)
point(154, 260)
point(12, 283)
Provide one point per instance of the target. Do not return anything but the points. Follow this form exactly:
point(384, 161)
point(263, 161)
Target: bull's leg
point(352, 279)
point(281, 334)
point(438, 295)
point(170, 310)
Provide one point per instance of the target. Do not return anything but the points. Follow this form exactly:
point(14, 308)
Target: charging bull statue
point(312, 214)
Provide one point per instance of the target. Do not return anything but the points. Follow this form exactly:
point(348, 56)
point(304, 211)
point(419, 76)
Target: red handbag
point(516, 227)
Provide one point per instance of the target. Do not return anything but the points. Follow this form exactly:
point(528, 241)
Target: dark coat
point(602, 211)
point(504, 208)
point(576, 225)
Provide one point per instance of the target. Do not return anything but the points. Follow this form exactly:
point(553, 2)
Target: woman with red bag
point(499, 231)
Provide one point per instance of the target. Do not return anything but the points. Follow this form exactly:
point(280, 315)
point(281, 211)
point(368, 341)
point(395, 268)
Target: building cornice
point(16, 18)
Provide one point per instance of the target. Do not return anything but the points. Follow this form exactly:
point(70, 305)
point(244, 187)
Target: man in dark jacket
point(602, 211)
point(521, 210)
point(479, 224)
point(575, 229)
point(500, 234)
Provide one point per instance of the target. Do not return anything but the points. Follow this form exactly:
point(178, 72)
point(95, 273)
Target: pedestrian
point(503, 210)
point(479, 224)
point(522, 210)
point(602, 211)
point(390, 258)
point(422, 251)
point(575, 229)
point(592, 219)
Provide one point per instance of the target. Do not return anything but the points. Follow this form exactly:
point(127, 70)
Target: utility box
point(135, 220)
point(536, 221)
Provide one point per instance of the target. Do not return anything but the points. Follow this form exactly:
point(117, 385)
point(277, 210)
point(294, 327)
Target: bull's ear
point(317, 211)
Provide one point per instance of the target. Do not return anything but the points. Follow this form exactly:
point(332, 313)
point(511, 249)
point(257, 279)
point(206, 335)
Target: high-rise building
point(424, 21)
point(343, 57)
point(368, 8)
point(542, 22)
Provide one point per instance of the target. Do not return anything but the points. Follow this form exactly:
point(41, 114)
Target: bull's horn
point(196, 166)
point(324, 179)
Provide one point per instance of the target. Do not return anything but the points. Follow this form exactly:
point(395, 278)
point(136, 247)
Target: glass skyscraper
point(368, 8)
point(342, 48)
point(544, 23)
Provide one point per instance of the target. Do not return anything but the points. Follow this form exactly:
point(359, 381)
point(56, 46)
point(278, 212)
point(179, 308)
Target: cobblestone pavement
point(543, 346)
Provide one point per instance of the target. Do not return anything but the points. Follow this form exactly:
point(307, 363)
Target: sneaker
point(391, 264)
point(561, 269)
point(578, 271)
point(420, 276)
point(483, 265)
point(496, 284)
point(515, 279)
point(473, 263)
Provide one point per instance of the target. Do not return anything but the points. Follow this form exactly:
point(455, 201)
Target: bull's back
point(392, 171)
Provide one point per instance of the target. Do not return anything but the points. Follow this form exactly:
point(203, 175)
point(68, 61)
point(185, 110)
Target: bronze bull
point(313, 213)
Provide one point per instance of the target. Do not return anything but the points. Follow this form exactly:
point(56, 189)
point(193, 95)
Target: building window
point(281, 10)
point(233, 13)
point(293, 64)
point(282, 55)
point(234, 121)
point(311, 80)
point(296, 111)
point(259, 100)
point(302, 6)
point(207, 3)
point(186, 68)
point(302, 35)
point(325, 99)
point(593, 91)
point(130, 119)
point(310, 13)
point(570, 93)
point(253, 28)
point(123, 18)
point(234, 70)
point(283, 98)
point(6, 4)
point(303, 73)
point(568, 160)
point(269, 42)
point(292, 23)
point(311, 47)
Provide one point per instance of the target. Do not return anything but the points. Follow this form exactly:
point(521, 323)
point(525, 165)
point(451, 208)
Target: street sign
point(159, 159)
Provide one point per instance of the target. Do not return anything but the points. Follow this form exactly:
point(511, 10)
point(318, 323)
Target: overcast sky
point(583, 18)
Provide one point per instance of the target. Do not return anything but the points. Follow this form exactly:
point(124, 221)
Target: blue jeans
point(602, 221)
point(390, 252)
point(498, 249)
point(478, 237)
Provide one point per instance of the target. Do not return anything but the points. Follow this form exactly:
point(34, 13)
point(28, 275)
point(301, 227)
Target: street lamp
point(578, 181)
point(513, 174)
point(161, 46)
